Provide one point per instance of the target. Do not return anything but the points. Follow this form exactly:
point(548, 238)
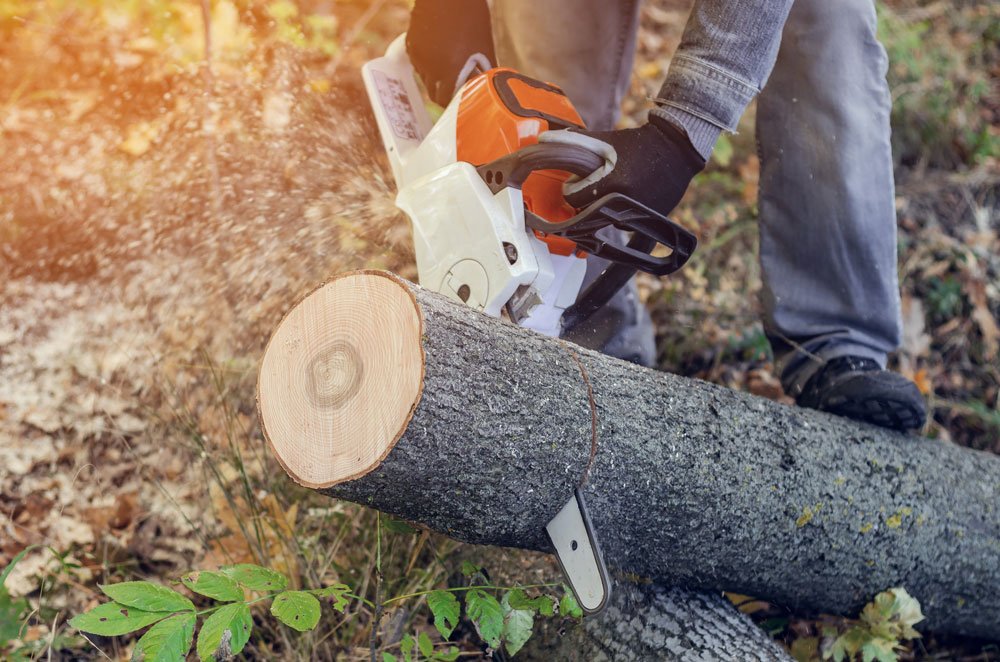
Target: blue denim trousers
point(827, 213)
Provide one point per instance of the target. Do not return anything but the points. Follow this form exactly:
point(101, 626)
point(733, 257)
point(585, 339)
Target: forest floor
point(157, 219)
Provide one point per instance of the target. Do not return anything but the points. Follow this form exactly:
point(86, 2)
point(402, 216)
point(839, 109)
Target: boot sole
point(882, 398)
point(884, 412)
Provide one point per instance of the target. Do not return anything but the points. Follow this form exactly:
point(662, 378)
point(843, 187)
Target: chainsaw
point(483, 189)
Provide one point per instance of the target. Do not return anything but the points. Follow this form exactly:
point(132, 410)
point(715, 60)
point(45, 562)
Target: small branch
point(353, 35)
point(377, 616)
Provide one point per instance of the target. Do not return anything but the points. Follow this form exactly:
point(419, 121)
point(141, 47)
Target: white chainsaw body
point(473, 246)
point(461, 230)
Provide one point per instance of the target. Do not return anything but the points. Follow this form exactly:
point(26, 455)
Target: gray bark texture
point(692, 484)
point(650, 622)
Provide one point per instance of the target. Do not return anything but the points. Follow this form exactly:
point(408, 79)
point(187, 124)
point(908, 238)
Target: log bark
point(650, 622)
point(688, 483)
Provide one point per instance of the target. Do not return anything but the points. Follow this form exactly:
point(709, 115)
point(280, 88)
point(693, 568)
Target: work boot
point(859, 388)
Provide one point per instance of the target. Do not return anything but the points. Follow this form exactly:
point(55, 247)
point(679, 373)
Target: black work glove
point(446, 40)
point(652, 164)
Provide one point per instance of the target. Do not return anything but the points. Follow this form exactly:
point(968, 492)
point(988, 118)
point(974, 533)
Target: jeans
point(827, 214)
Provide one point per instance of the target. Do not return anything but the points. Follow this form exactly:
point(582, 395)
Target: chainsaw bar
point(579, 555)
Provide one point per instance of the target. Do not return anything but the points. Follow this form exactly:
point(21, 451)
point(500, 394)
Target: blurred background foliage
point(942, 72)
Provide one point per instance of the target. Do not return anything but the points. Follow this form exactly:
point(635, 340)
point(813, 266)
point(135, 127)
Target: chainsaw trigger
point(649, 228)
point(592, 231)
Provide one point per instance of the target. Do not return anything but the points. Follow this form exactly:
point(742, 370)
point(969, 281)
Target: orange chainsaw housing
point(502, 111)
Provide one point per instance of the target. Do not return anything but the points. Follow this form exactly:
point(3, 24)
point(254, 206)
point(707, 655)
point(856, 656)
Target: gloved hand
point(446, 40)
point(652, 164)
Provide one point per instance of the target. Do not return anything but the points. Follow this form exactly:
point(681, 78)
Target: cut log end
point(340, 378)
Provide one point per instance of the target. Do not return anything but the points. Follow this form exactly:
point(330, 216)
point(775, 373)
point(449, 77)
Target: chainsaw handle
point(622, 212)
point(648, 229)
point(511, 170)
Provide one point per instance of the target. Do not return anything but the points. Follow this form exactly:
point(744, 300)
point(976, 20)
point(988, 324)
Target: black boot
point(858, 388)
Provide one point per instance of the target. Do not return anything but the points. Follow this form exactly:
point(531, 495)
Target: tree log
point(377, 391)
point(650, 622)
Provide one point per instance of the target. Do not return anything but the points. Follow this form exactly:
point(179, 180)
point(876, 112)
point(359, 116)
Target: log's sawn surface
point(687, 483)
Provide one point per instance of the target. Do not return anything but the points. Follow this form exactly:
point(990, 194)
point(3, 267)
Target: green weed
point(227, 624)
point(885, 623)
point(302, 540)
point(938, 83)
point(945, 297)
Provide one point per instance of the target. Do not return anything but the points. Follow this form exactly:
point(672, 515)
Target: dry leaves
point(915, 345)
point(267, 536)
point(983, 317)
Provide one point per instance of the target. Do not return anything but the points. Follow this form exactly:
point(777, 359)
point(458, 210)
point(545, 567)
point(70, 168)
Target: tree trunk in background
point(379, 392)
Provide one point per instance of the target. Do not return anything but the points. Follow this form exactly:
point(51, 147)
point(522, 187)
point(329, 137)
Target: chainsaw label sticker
point(397, 106)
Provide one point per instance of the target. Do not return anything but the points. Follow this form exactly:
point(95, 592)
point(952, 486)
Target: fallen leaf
point(129, 424)
point(277, 110)
point(805, 649)
point(66, 531)
point(915, 344)
point(18, 458)
point(126, 509)
point(750, 175)
point(33, 508)
point(763, 383)
point(923, 381)
point(981, 315)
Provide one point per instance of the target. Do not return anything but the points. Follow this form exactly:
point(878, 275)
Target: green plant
point(16, 616)
point(751, 345)
point(308, 538)
point(945, 297)
point(226, 627)
point(885, 623)
point(316, 32)
point(938, 72)
point(13, 613)
point(506, 622)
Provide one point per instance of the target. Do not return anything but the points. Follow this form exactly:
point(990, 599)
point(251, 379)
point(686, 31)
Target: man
point(827, 216)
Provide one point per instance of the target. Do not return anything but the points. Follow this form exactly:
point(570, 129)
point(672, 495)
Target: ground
point(157, 217)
